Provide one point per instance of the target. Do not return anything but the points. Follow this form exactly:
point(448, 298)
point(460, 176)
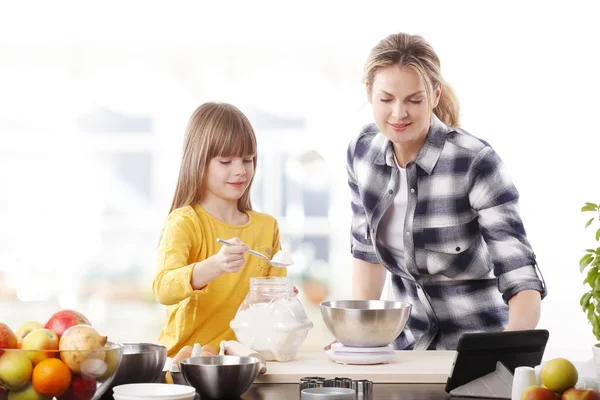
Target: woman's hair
point(214, 130)
point(414, 52)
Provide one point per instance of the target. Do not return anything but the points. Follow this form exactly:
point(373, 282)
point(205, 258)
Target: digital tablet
point(477, 353)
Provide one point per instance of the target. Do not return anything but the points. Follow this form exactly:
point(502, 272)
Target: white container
point(522, 379)
point(153, 391)
point(271, 320)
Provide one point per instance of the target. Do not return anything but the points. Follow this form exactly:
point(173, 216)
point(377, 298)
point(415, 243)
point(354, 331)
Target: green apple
point(26, 393)
point(40, 339)
point(27, 327)
point(15, 369)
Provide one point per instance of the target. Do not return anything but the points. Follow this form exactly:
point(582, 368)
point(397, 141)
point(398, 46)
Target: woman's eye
point(385, 100)
point(224, 162)
point(416, 101)
point(248, 161)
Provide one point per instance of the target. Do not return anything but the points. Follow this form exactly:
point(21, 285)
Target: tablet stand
point(496, 385)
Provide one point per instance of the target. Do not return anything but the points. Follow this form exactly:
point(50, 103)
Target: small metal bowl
point(217, 377)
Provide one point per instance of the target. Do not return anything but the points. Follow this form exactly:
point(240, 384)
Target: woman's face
point(400, 104)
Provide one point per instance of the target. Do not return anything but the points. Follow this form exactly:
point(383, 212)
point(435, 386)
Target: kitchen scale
point(360, 355)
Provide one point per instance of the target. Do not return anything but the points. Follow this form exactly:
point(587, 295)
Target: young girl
point(201, 282)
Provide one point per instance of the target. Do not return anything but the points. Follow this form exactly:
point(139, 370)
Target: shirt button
point(391, 192)
point(419, 287)
point(412, 190)
point(407, 233)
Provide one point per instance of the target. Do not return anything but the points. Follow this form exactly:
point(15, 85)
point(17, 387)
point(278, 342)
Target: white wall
point(526, 74)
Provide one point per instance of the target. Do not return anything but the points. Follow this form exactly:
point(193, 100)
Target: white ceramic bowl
point(153, 391)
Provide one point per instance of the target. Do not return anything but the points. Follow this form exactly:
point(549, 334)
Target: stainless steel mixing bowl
point(220, 377)
point(365, 323)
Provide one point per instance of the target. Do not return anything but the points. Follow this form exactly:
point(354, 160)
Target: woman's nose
point(399, 110)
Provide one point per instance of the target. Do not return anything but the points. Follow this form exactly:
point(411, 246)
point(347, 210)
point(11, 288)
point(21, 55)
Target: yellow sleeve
point(276, 247)
point(172, 282)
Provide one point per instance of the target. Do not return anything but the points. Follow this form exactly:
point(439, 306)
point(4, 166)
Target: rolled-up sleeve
point(495, 198)
point(172, 282)
point(361, 245)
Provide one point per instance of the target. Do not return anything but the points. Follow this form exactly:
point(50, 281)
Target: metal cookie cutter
point(311, 382)
point(362, 387)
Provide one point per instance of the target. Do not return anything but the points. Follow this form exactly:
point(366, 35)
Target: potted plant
point(590, 301)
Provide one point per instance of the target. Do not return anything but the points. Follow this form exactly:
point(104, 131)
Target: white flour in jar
point(275, 329)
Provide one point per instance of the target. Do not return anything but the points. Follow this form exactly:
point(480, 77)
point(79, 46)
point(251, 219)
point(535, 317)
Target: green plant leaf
point(589, 207)
point(598, 234)
point(596, 281)
point(591, 277)
point(589, 222)
point(585, 300)
point(585, 261)
point(590, 250)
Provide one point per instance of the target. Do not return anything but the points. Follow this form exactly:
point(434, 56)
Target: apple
point(15, 369)
point(573, 393)
point(112, 362)
point(26, 393)
point(558, 374)
point(3, 393)
point(539, 393)
point(82, 387)
point(8, 339)
point(40, 339)
point(60, 321)
point(27, 327)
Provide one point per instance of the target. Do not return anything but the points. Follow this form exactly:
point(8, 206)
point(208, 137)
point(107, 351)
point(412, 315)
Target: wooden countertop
point(407, 367)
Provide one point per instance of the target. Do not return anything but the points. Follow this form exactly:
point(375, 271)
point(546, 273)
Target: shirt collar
point(429, 154)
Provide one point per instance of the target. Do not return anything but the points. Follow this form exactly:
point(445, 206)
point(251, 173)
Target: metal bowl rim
point(402, 305)
point(249, 361)
point(157, 345)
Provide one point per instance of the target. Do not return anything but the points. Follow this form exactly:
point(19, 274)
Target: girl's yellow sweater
point(202, 316)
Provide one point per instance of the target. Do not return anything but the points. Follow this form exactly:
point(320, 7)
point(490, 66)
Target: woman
point(435, 207)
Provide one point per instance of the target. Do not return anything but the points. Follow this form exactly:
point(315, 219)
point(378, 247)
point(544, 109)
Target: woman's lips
point(399, 127)
point(237, 185)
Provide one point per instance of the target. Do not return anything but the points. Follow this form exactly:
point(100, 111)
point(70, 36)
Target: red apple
point(83, 387)
point(573, 393)
point(64, 319)
point(8, 339)
point(539, 393)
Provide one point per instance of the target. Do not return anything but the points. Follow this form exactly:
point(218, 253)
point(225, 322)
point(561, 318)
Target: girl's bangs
point(234, 138)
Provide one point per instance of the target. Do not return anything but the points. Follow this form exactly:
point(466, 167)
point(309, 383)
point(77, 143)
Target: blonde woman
point(435, 207)
point(201, 282)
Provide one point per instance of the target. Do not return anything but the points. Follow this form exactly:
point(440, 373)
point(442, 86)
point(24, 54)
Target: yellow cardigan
point(202, 316)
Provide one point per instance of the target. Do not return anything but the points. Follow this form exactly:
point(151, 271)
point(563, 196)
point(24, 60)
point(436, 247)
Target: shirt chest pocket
point(452, 250)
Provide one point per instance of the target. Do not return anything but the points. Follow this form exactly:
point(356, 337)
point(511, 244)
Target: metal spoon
point(256, 253)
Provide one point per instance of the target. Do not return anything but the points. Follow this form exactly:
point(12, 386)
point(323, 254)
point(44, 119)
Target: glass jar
point(271, 320)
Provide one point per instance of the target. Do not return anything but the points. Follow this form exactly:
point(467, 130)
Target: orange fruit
point(51, 377)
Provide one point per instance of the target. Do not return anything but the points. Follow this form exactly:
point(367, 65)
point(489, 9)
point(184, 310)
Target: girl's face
point(400, 104)
point(228, 177)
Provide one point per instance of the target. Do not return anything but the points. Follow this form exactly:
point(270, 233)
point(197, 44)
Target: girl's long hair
point(214, 130)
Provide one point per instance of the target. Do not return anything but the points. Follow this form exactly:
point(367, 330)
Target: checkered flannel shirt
point(465, 247)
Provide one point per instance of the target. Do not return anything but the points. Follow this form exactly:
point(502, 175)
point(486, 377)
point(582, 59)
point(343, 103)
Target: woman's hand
point(231, 257)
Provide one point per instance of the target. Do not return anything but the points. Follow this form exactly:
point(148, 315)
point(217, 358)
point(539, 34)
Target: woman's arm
point(524, 310)
point(367, 280)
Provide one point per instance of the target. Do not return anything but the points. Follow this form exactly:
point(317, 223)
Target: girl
point(435, 207)
point(201, 282)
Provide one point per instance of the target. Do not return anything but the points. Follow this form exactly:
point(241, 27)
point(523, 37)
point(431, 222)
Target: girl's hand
point(231, 257)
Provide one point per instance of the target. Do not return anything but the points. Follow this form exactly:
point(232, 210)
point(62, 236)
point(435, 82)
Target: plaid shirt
point(465, 248)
